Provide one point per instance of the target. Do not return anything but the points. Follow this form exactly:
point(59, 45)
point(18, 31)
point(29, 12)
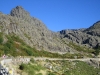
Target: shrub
point(50, 73)
point(21, 67)
point(39, 74)
point(32, 60)
point(1, 38)
point(97, 51)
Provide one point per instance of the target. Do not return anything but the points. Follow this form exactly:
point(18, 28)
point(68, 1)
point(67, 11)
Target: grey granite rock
point(90, 36)
point(36, 34)
point(31, 30)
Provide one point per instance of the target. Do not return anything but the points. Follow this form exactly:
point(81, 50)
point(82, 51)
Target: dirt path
point(82, 59)
point(27, 59)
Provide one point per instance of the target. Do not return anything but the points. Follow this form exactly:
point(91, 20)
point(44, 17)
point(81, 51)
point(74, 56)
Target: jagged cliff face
point(31, 30)
point(94, 30)
point(89, 37)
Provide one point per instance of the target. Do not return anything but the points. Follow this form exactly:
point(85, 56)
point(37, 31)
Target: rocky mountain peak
point(19, 12)
point(95, 25)
point(32, 31)
point(94, 29)
point(19, 7)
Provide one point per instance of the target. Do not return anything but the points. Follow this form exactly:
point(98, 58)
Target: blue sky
point(58, 14)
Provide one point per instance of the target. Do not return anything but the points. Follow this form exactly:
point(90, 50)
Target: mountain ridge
point(30, 29)
point(36, 34)
point(87, 36)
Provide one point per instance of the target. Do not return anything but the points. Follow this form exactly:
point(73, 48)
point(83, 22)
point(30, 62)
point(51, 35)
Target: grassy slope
point(15, 46)
point(60, 68)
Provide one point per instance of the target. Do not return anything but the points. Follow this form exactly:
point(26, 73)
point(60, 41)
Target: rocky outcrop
point(19, 12)
point(89, 37)
point(94, 30)
point(31, 30)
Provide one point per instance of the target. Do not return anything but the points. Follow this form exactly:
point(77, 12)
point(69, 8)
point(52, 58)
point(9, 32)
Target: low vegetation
point(82, 68)
point(31, 69)
point(80, 48)
point(59, 68)
point(97, 51)
point(15, 46)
